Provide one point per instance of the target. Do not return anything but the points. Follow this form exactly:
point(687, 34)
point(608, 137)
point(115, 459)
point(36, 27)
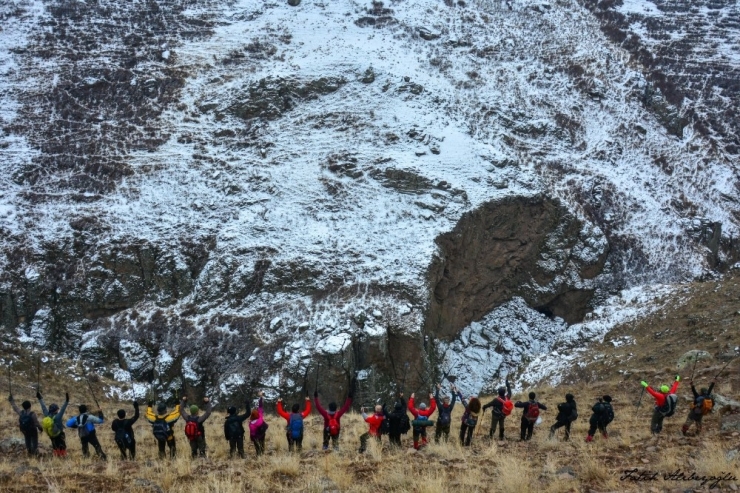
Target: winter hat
point(422, 406)
point(665, 389)
point(295, 408)
point(231, 410)
point(569, 397)
point(502, 391)
point(82, 408)
point(194, 409)
point(26, 405)
point(255, 415)
point(607, 398)
point(397, 406)
point(53, 409)
point(162, 408)
point(532, 396)
point(332, 407)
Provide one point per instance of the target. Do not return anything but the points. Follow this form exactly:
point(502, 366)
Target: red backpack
point(507, 406)
point(533, 412)
point(192, 430)
point(333, 426)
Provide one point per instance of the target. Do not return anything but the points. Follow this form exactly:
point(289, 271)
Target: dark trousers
point(440, 430)
point(656, 423)
point(236, 445)
point(198, 447)
point(497, 421)
point(334, 440)
point(466, 434)
point(594, 424)
point(693, 418)
point(366, 436)
point(92, 439)
point(169, 442)
point(59, 445)
point(561, 424)
point(527, 429)
point(130, 447)
point(32, 441)
point(294, 443)
point(420, 433)
point(259, 446)
point(394, 439)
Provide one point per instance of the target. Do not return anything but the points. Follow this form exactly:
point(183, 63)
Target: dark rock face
point(683, 45)
point(103, 104)
point(528, 247)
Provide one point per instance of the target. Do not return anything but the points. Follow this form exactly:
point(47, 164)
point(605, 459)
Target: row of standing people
point(393, 423)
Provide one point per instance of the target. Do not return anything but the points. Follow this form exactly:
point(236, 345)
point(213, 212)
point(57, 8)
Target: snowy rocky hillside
point(251, 192)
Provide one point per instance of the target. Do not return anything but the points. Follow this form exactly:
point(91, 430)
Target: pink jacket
point(255, 433)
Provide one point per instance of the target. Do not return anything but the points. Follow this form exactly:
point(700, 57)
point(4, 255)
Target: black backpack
point(122, 438)
point(385, 426)
point(161, 429)
point(573, 414)
point(669, 408)
point(405, 423)
point(233, 428)
point(26, 422)
point(608, 413)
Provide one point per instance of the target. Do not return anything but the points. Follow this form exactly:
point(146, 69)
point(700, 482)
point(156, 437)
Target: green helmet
point(665, 389)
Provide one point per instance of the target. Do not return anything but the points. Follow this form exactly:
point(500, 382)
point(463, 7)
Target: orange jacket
point(286, 415)
point(418, 412)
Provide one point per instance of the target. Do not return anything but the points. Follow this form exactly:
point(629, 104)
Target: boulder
point(689, 358)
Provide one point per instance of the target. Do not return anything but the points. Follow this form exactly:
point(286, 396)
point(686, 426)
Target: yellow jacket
point(171, 417)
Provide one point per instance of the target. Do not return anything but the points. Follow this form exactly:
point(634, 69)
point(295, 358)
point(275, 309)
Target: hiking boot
point(605, 435)
point(589, 438)
point(684, 429)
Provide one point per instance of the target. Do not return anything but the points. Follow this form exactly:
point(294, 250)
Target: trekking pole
point(38, 374)
point(723, 368)
point(91, 390)
point(640, 401)
point(696, 358)
point(10, 384)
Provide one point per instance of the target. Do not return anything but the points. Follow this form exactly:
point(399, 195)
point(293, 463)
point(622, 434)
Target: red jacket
point(285, 415)
point(337, 415)
point(418, 412)
point(660, 396)
point(374, 420)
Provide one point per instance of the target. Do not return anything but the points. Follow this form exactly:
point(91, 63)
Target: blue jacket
point(90, 421)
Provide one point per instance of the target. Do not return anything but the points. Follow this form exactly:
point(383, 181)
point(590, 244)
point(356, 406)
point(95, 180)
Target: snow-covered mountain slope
point(210, 185)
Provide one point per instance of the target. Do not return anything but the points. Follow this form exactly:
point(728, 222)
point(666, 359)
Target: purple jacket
point(256, 432)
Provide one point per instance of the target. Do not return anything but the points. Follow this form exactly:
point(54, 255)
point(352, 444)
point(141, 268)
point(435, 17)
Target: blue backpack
point(295, 426)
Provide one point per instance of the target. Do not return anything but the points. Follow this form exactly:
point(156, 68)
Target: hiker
point(665, 403)
point(294, 430)
point(258, 427)
point(702, 405)
point(234, 430)
point(421, 419)
point(530, 414)
point(163, 424)
point(397, 422)
point(501, 407)
point(194, 429)
point(29, 424)
point(603, 414)
point(567, 413)
point(444, 415)
point(54, 426)
point(332, 417)
point(469, 418)
point(374, 421)
point(124, 433)
point(85, 424)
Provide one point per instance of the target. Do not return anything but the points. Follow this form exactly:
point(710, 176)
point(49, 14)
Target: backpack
point(50, 427)
point(608, 413)
point(262, 429)
point(419, 423)
point(122, 438)
point(443, 417)
point(573, 415)
point(506, 406)
point(84, 429)
point(405, 424)
point(161, 429)
point(707, 405)
point(669, 408)
point(533, 412)
point(192, 430)
point(233, 429)
point(295, 426)
point(26, 422)
point(470, 419)
point(334, 426)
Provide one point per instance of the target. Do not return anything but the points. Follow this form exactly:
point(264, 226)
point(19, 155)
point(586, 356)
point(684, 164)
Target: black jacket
point(525, 407)
point(565, 411)
point(396, 418)
point(126, 424)
point(444, 414)
point(697, 394)
point(496, 403)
